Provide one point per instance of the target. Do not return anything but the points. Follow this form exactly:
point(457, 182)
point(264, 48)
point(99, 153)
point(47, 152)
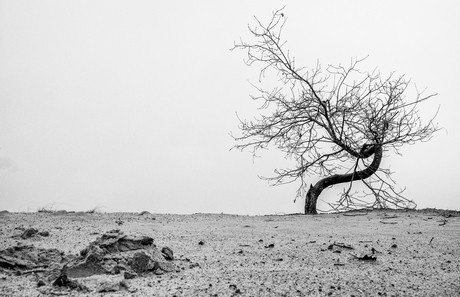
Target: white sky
point(128, 105)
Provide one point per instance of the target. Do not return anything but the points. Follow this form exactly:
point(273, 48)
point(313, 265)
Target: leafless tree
point(330, 122)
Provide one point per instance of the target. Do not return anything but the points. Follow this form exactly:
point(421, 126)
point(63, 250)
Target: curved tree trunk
point(314, 191)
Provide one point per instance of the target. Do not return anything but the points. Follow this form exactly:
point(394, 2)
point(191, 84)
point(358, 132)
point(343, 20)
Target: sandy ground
point(378, 253)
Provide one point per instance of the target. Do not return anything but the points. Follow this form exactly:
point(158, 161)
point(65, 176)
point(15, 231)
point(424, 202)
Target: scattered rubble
point(103, 266)
point(114, 252)
point(23, 258)
point(30, 233)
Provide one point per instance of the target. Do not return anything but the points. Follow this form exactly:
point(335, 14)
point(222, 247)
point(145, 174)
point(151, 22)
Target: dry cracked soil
point(373, 253)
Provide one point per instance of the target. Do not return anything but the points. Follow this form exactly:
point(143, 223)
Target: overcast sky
point(128, 105)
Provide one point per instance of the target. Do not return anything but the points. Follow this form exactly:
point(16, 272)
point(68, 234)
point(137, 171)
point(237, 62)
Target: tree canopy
point(330, 122)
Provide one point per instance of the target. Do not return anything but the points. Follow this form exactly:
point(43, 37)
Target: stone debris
point(365, 258)
point(103, 266)
point(23, 258)
point(30, 233)
point(114, 252)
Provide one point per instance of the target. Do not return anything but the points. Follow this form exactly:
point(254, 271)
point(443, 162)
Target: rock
point(102, 266)
point(193, 265)
point(64, 281)
point(27, 257)
point(167, 253)
point(144, 213)
point(366, 258)
point(115, 252)
point(114, 241)
point(41, 283)
point(106, 283)
point(118, 268)
point(29, 233)
point(89, 265)
point(141, 262)
point(162, 267)
point(95, 283)
point(129, 274)
point(44, 233)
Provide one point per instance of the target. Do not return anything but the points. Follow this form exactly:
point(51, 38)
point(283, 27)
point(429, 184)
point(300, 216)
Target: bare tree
point(330, 123)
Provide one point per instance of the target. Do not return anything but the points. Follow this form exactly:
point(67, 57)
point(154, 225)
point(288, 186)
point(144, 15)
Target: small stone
point(129, 274)
point(118, 268)
point(162, 267)
point(41, 283)
point(367, 258)
point(167, 253)
point(124, 285)
point(64, 281)
point(109, 286)
point(140, 262)
point(29, 233)
point(44, 233)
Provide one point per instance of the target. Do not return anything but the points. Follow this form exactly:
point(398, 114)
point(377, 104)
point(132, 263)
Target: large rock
point(115, 252)
point(27, 257)
point(102, 266)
